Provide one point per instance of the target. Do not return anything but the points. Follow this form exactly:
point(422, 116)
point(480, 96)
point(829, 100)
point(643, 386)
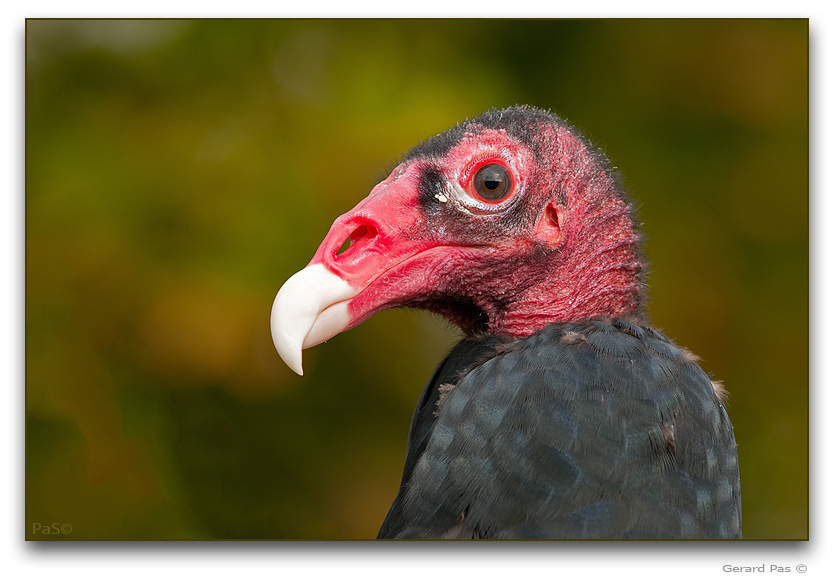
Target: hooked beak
point(324, 299)
point(310, 308)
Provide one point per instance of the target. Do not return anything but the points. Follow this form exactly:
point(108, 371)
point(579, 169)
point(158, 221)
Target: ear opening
point(549, 227)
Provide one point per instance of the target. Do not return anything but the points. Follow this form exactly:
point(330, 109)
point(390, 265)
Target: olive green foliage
point(178, 172)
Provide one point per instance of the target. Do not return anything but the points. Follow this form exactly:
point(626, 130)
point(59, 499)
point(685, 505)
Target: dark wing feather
point(592, 430)
point(466, 353)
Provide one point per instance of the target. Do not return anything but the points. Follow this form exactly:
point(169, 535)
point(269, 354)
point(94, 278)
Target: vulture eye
point(493, 182)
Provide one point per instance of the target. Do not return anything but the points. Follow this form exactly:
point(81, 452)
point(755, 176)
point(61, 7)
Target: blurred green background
point(178, 172)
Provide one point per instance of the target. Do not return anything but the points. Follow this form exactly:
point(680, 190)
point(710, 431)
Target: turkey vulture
point(562, 413)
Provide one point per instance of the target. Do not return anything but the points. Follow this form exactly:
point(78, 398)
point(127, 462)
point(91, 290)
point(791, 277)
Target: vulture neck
point(596, 273)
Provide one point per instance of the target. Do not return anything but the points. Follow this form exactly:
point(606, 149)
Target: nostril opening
point(359, 236)
point(345, 246)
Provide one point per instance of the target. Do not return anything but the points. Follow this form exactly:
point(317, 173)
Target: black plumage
point(600, 429)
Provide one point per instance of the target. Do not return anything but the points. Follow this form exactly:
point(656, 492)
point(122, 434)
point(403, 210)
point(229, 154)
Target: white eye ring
point(472, 205)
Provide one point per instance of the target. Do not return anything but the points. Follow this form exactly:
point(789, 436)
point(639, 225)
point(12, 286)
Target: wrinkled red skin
point(560, 247)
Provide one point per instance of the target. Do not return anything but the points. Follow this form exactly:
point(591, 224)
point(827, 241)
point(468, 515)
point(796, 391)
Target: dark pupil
point(492, 182)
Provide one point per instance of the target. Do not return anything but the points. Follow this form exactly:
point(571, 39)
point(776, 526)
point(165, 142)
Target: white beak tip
point(298, 320)
point(293, 362)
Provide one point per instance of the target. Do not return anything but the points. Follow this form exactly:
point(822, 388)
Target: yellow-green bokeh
point(177, 172)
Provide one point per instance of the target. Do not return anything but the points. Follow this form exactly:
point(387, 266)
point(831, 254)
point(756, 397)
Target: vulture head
point(503, 224)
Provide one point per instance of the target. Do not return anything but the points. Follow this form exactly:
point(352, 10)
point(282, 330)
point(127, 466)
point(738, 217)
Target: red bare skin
point(560, 247)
